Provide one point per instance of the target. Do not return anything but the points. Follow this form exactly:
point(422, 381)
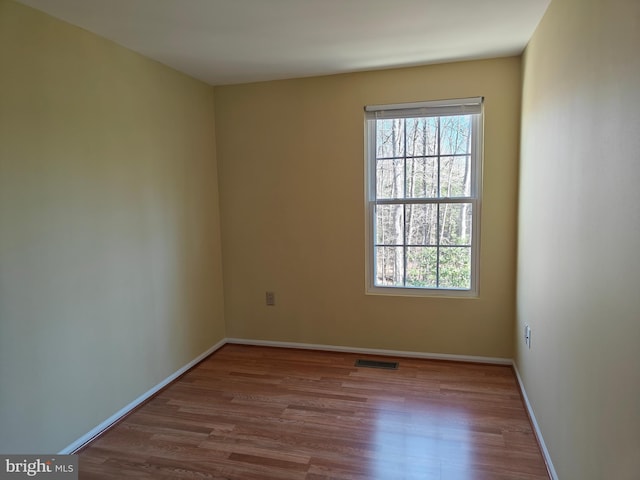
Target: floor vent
point(377, 364)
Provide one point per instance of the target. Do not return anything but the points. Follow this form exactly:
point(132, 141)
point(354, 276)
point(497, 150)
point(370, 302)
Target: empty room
point(320, 239)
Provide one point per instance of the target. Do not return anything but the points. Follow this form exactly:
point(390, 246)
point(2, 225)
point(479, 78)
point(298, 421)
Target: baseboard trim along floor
point(373, 351)
point(536, 428)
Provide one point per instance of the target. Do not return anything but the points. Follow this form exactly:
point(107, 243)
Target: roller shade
point(437, 108)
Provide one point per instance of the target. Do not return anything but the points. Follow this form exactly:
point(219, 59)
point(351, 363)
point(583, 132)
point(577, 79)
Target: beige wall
point(110, 276)
point(291, 168)
point(579, 231)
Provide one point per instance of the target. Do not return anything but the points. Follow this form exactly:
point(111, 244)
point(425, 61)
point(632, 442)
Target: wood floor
point(267, 413)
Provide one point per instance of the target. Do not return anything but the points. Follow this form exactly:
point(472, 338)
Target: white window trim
point(442, 107)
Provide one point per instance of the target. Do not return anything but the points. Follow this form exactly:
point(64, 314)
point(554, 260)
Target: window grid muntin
point(404, 206)
point(409, 157)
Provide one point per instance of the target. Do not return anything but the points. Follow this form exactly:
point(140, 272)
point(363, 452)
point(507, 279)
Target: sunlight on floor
point(418, 448)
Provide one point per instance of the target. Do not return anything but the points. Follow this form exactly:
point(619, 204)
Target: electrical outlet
point(271, 298)
point(527, 335)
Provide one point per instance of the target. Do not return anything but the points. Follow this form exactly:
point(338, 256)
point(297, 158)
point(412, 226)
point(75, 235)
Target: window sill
point(421, 292)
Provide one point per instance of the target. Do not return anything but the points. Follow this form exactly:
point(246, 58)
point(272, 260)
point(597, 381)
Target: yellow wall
point(291, 168)
point(579, 231)
point(110, 275)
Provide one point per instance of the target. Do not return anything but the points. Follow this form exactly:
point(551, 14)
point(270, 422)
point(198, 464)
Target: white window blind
point(437, 108)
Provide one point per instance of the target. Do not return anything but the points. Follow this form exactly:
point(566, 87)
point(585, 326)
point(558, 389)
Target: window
point(423, 197)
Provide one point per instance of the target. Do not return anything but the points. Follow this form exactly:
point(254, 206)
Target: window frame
point(438, 108)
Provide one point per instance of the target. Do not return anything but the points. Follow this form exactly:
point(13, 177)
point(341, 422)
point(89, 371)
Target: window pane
point(389, 224)
point(455, 134)
point(390, 178)
point(422, 178)
point(455, 267)
point(422, 136)
point(455, 176)
point(455, 223)
point(389, 266)
point(390, 138)
point(422, 224)
point(421, 267)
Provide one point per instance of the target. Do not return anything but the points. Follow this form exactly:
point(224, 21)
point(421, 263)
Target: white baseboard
point(373, 351)
point(534, 422)
point(72, 447)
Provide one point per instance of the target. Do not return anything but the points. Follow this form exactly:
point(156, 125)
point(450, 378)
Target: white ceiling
point(238, 41)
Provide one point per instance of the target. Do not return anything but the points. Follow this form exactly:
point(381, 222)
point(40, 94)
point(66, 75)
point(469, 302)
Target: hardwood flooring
point(258, 413)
